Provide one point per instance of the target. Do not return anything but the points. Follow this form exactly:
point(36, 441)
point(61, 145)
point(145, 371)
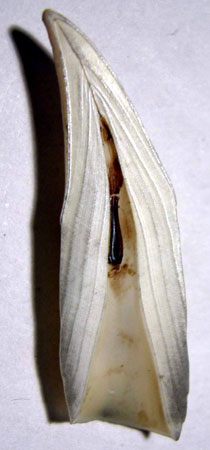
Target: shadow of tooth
point(43, 96)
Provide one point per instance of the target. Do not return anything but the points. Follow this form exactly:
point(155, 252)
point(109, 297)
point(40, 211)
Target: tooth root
point(122, 301)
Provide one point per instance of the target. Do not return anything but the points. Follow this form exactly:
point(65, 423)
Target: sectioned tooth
point(123, 347)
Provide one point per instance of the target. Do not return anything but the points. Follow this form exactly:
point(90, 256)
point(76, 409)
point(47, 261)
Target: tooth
point(123, 347)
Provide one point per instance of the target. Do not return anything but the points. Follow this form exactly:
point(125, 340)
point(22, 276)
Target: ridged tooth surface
point(123, 314)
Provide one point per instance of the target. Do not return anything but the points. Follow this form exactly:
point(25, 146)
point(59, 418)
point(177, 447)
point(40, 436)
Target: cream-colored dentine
point(123, 351)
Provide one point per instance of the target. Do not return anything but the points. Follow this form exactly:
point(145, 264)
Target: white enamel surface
point(160, 52)
point(88, 86)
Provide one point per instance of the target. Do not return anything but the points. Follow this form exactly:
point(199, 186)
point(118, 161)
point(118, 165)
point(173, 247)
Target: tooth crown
point(122, 301)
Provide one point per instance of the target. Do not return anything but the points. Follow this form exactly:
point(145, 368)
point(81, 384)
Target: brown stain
point(143, 417)
point(86, 394)
point(120, 270)
point(127, 269)
point(112, 162)
point(125, 337)
point(105, 131)
point(114, 272)
point(116, 370)
point(145, 421)
point(127, 226)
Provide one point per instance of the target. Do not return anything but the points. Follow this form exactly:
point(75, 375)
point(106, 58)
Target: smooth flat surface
point(160, 52)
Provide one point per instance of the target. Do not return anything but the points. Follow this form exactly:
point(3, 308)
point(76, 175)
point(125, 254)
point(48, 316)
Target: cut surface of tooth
point(122, 301)
point(122, 382)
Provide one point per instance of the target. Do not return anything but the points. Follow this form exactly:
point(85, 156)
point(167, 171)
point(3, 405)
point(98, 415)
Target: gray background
point(160, 51)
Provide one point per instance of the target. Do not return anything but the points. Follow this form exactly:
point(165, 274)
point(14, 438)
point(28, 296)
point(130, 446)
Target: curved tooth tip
point(50, 16)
